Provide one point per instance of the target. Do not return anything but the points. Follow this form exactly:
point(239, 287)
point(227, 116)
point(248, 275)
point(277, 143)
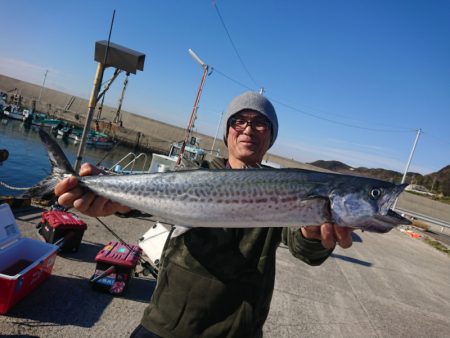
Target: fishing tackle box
point(115, 267)
point(63, 228)
point(24, 262)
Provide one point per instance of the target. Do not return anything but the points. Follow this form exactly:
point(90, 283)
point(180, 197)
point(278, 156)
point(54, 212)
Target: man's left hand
point(329, 234)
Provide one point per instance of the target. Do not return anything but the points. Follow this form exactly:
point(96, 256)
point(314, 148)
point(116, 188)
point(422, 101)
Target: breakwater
point(137, 132)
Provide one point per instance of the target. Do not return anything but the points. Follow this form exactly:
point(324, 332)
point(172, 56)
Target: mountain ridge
point(437, 182)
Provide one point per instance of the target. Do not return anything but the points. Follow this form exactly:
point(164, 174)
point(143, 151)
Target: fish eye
point(375, 193)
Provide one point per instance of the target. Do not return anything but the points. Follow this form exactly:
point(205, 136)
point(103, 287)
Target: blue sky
point(351, 80)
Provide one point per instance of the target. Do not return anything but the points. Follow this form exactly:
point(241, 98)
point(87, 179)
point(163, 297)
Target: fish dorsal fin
point(59, 161)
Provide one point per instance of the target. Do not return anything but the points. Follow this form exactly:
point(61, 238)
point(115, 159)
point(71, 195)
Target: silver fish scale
point(241, 198)
point(202, 197)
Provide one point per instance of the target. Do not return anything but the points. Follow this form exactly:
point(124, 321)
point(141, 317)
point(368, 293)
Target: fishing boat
point(42, 121)
point(15, 113)
point(95, 139)
point(193, 157)
point(192, 151)
point(100, 140)
point(68, 132)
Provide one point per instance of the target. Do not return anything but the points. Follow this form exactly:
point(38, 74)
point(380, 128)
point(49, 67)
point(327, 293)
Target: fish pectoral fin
point(318, 207)
point(322, 200)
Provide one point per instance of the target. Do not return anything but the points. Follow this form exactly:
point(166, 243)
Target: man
point(219, 282)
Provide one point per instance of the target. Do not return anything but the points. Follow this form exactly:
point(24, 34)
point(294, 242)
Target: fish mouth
point(393, 218)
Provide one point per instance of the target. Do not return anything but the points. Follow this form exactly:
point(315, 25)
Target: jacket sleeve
point(310, 251)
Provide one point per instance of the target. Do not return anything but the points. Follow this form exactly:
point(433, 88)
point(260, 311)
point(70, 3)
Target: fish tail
point(61, 167)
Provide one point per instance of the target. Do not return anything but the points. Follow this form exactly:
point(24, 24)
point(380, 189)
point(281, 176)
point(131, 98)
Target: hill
point(438, 182)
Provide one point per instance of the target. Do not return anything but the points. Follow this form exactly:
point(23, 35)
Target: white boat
point(94, 139)
point(14, 112)
point(192, 158)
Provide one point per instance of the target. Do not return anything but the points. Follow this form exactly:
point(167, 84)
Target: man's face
point(248, 145)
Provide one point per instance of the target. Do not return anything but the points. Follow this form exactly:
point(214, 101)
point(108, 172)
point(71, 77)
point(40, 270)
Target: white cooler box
point(153, 241)
point(24, 262)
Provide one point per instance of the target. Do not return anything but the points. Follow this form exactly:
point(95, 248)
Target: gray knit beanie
point(253, 101)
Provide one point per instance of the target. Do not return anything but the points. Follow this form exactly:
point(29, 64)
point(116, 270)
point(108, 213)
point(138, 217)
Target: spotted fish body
point(248, 197)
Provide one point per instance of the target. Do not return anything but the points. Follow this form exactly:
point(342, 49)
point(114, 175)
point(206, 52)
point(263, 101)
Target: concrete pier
point(388, 285)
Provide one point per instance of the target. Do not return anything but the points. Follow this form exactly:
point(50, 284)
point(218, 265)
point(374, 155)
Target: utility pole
point(411, 155)
point(217, 133)
point(407, 164)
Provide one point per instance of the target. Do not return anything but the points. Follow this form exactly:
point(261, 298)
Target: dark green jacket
point(219, 282)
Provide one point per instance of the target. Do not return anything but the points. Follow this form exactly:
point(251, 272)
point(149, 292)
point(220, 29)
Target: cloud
point(33, 73)
point(23, 70)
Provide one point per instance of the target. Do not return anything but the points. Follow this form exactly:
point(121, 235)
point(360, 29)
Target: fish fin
point(326, 202)
point(61, 167)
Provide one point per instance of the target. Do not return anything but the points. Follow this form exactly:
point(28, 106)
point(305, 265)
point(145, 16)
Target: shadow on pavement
point(86, 252)
point(356, 238)
point(29, 213)
point(351, 260)
point(62, 301)
point(140, 290)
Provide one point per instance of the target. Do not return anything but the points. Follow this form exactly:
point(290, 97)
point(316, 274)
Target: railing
point(433, 220)
point(131, 163)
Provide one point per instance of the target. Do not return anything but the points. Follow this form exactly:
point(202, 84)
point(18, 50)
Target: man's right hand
point(71, 194)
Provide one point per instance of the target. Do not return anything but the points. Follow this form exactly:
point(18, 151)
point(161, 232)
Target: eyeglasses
point(240, 124)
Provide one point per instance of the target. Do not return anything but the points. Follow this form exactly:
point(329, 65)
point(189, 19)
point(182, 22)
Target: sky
point(351, 80)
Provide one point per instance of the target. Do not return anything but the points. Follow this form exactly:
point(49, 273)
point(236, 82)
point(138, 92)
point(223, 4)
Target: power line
point(436, 138)
point(232, 43)
point(400, 130)
point(403, 130)
point(233, 80)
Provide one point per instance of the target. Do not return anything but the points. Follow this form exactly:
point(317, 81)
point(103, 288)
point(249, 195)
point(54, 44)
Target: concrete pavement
point(386, 285)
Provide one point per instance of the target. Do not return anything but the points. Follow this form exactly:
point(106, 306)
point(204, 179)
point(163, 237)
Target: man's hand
point(71, 194)
point(329, 234)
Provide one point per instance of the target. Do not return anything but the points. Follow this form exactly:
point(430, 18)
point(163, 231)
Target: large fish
point(242, 197)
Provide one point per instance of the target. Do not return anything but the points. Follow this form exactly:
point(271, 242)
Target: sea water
point(28, 162)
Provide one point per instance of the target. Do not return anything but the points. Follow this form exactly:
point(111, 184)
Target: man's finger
point(87, 169)
point(66, 185)
point(83, 203)
point(311, 232)
point(328, 237)
point(343, 236)
point(98, 206)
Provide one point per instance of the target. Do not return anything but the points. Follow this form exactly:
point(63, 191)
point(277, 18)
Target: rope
point(11, 187)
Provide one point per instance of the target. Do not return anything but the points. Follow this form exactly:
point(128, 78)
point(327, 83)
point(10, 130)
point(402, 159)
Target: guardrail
point(436, 221)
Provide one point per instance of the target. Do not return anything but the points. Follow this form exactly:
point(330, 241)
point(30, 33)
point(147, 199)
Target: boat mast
point(118, 117)
point(195, 107)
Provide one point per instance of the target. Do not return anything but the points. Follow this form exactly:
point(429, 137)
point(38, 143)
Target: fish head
point(366, 204)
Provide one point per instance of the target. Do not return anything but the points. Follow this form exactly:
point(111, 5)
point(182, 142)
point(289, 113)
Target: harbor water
point(28, 162)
